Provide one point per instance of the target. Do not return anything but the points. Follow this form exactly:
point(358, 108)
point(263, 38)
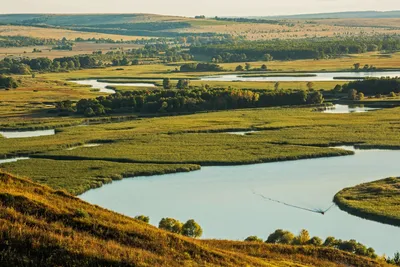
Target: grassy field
point(57, 33)
point(378, 201)
point(80, 176)
point(201, 139)
point(78, 49)
point(45, 227)
point(293, 29)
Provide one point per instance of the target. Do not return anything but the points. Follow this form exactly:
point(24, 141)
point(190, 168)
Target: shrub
point(143, 218)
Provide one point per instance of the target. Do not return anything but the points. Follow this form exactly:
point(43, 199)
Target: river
point(317, 76)
point(222, 201)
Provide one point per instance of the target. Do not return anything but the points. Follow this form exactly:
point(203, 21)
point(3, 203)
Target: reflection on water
point(27, 134)
point(221, 198)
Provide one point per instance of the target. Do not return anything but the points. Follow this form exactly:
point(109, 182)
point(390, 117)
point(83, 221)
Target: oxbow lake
point(317, 76)
point(221, 199)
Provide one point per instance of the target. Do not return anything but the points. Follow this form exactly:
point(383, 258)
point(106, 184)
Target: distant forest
point(315, 48)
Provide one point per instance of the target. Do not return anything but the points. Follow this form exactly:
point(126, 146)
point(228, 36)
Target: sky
point(197, 7)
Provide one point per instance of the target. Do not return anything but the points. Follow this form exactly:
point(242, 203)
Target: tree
point(239, 68)
point(171, 225)
point(357, 66)
point(192, 229)
point(310, 85)
point(56, 65)
point(360, 96)
point(143, 218)
point(276, 86)
point(89, 112)
point(352, 95)
point(264, 67)
point(280, 237)
point(247, 66)
point(167, 83)
point(330, 241)
point(337, 88)
point(315, 241)
point(183, 84)
point(302, 238)
point(315, 98)
point(268, 57)
point(7, 82)
point(253, 238)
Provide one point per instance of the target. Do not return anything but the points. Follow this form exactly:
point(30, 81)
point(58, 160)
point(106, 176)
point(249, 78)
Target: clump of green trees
point(20, 41)
point(143, 218)
point(303, 238)
point(395, 260)
point(373, 86)
point(200, 67)
point(7, 82)
point(191, 100)
point(191, 228)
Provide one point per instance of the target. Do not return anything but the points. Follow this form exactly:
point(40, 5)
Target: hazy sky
point(196, 7)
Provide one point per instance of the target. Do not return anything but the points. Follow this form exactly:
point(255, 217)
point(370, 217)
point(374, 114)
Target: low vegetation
point(41, 226)
point(78, 176)
point(378, 201)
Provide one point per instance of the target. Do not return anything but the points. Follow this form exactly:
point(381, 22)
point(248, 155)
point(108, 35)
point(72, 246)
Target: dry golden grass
point(361, 22)
point(78, 49)
point(43, 227)
point(256, 31)
point(50, 33)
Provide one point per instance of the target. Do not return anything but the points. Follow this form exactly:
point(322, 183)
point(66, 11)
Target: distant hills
point(340, 15)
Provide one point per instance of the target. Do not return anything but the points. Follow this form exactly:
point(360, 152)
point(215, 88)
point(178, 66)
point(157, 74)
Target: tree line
point(303, 238)
point(96, 60)
point(20, 41)
point(188, 100)
point(374, 86)
point(312, 48)
point(191, 228)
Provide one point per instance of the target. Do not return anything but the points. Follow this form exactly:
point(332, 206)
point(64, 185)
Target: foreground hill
point(43, 227)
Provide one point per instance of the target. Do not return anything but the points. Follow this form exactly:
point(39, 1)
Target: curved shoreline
point(340, 200)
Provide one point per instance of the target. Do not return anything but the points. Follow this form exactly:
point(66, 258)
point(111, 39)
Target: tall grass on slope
point(40, 226)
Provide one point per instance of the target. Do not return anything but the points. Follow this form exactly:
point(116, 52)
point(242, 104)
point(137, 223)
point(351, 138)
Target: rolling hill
point(40, 226)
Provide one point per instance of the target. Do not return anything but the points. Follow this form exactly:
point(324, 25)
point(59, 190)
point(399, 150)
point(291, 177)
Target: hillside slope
point(43, 227)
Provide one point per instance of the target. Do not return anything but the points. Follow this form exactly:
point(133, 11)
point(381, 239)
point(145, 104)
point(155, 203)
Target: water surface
point(102, 86)
point(27, 134)
point(221, 198)
point(11, 160)
point(341, 109)
point(318, 76)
